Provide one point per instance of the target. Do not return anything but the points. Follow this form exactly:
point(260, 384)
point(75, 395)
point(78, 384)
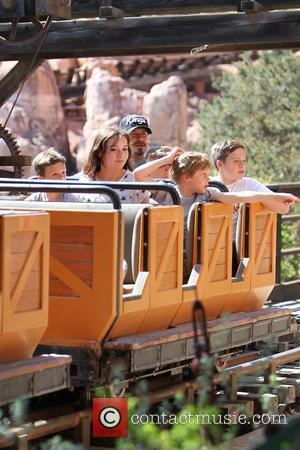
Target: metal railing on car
point(168, 187)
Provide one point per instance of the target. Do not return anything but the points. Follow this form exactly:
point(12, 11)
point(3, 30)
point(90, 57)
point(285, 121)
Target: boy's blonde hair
point(45, 159)
point(157, 154)
point(187, 164)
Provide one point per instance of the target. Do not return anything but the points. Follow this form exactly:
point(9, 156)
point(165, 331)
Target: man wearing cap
point(138, 129)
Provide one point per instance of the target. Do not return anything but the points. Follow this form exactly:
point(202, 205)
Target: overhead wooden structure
point(127, 27)
point(131, 27)
point(158, 34)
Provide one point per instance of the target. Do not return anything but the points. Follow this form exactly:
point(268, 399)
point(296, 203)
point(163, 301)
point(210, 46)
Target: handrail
point(155, 186)
point(218, 185)
point(293, 188)
point(62, 186)
point(138, 185)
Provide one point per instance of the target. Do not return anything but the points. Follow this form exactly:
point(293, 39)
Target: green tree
point(259, 105)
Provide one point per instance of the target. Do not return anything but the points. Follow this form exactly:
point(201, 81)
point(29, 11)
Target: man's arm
point(279, 203)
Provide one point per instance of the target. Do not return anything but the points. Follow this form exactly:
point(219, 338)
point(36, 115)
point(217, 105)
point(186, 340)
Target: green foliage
point(17, 413)
point(178, 425)
point(259, 106)
point(177, 436)
point(57, 442)
point(290, 265)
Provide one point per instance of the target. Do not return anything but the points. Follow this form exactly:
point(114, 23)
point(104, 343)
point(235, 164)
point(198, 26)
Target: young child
point(190, 173)
point(157, 167)
point(51, 165)
point(230, 160)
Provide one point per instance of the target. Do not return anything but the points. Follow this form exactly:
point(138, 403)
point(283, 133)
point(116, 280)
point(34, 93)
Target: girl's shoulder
point(128, 176)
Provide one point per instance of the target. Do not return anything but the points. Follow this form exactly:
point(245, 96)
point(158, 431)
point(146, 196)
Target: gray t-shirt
point(187, 201)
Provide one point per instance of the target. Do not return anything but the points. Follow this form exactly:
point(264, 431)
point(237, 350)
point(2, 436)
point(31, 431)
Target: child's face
point(116, 154)
point(198, 182)
point(235, 165)
point(56, 171)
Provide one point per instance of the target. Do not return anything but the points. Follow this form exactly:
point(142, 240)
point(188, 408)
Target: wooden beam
point(90, 8)
point(165, 34)
point(13, 79)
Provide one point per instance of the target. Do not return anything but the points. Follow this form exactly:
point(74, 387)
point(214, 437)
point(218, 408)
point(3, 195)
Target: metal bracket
point(250, 6)
point(107, 11)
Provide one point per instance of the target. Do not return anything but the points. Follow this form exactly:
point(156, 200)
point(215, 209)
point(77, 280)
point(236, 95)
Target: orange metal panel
point(133, 308)
point(93, 288)
point(24, 283)
point(262, 253)
point(165, 250)
point(210, 281)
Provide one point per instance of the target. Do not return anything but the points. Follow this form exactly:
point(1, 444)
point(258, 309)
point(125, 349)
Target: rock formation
point(166, 107)
point(107, 100)
point(37, 119)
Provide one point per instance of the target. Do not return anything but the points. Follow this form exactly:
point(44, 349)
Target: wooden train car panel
point(87, 254)
point(262, 254)
point(84, 290)
point(209, 263)
point(157, 270)
point(24, 273)
point(84, 295)
point(164, 265)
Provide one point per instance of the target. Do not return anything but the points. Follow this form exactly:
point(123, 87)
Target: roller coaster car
point(24, 243)
point(143, 326)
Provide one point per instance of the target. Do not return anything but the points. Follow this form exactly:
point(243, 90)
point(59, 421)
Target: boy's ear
point(186, 177)
point(219, 164)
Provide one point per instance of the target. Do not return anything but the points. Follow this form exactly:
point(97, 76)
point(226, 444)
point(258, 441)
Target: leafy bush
point(290, 265)
point(259, 106)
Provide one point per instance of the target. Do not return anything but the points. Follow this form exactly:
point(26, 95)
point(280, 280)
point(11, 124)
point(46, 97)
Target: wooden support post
point(269, 371)
point(190, 394)
point(233, 386)
point(13, 79)
point(22, 442)
point(85, 429)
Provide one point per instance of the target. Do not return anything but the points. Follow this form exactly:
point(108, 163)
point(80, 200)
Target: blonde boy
point(190, 173)
point(51, 165)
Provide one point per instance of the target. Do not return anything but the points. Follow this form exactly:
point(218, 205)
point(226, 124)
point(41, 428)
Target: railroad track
point(249, 380)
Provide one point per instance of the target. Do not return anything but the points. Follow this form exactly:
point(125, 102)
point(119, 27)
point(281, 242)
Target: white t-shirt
point(244, 184)
point(247, 184)
point(126, 195)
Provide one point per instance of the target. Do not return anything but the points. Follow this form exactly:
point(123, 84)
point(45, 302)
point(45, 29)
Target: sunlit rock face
point(37, 120)
point(107, 101)
point(166, 107)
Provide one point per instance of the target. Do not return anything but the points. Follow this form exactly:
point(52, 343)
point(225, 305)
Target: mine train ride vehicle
point(63, 292)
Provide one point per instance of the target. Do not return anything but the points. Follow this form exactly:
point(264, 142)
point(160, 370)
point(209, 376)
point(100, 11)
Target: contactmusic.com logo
point(110, 417)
